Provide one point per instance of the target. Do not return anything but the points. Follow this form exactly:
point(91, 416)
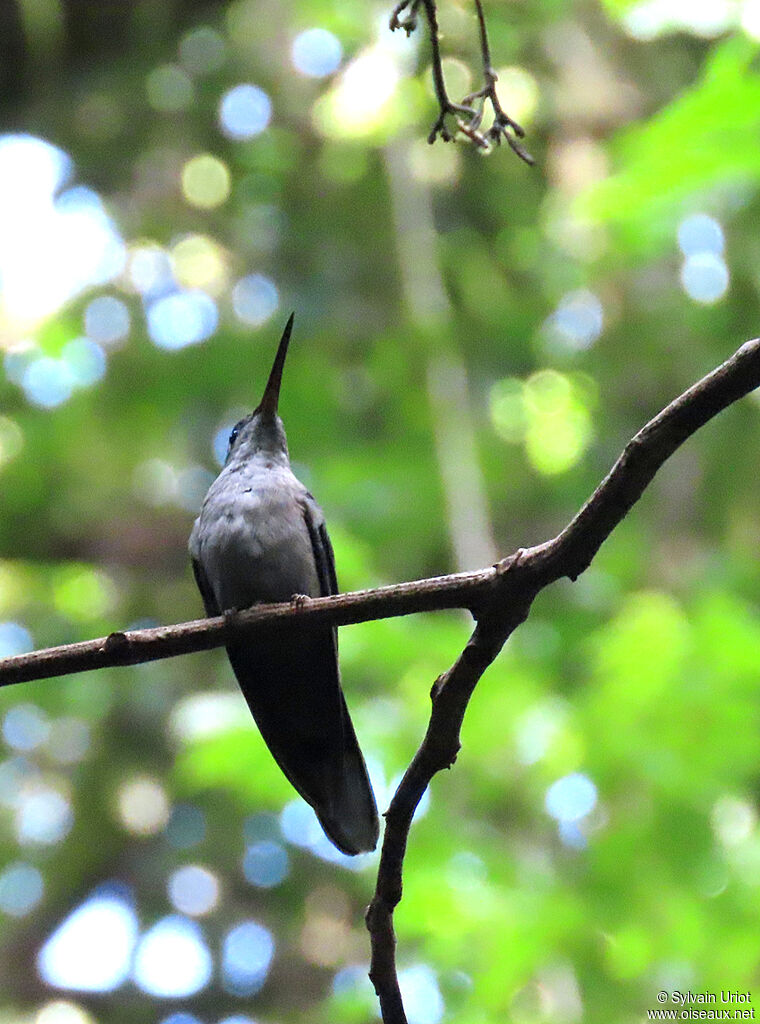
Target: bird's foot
point(230, 614)
point(299, 600)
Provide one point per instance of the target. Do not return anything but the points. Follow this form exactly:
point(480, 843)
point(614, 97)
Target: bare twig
point(500, 598)
point(467, 118)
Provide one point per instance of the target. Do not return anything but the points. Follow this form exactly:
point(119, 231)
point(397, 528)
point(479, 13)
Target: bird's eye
point(233, 435)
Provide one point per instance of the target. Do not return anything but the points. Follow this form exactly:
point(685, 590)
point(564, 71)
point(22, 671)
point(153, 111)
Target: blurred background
point(475, 341)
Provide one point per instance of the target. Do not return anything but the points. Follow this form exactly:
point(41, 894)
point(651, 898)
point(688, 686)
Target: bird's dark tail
point(350, 820)
point(290, 681)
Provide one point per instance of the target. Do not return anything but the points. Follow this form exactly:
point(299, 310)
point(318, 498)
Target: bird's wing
point(209, 601)
point(320, 545)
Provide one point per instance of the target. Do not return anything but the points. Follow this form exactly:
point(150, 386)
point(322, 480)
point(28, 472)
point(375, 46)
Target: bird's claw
point(299, 600)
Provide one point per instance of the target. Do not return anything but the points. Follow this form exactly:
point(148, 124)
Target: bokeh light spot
point(106, 320)
point(577, 322)
point(14, 639)
point(201, 715)
point(143, 806)
point(181, 319)
point(205, 181)
point(53, 244)
point(422, 997)
point(705, 277)
point(361, 101)
point(265, 864)
point(254, 299)
point(192, 484)
point(522, 89)
point(86, 361)
point(25, 727)
point(21, 889)
point(47, 382)
point(571, 798)
point(62, 1012)
point(559, 424)
point(199, 262)
point(733, 820)
point(247, 953)
point(244, 111)
point(699, 232)
point(150, 271)
point(172, 959)
point(316, 52)
point(194, 890)
point(92, 949)
point(301, 827)
point(43, 816)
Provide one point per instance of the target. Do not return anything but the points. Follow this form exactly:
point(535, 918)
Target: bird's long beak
point(268, 404)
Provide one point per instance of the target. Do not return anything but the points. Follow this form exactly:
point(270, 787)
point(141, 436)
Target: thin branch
point(522, 577)
point(568, 554)
point(467, 118)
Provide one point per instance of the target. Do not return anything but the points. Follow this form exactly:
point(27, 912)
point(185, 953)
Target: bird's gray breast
point(251, 538)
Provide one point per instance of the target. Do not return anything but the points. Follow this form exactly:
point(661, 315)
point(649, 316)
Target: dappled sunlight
point(244, 111)
point(55, 241)
point(143, 806)
point(316, 53)
point(598, 836)
point(91, 950)
point(206, 181)
point(21, 889)
point(247, 952)
point(172, 959)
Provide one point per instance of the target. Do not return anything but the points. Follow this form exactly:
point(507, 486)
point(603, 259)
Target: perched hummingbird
point(261, 537)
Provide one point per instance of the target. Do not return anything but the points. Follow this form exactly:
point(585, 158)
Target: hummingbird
point(261, 537)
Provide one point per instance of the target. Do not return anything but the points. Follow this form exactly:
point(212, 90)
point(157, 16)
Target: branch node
point(115, 643)
point(512, 561)
point(437, 686)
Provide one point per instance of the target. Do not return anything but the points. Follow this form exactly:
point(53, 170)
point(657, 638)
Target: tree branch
point(499, 597)
point(522, 577)
point(467, 117)
point(498, 587)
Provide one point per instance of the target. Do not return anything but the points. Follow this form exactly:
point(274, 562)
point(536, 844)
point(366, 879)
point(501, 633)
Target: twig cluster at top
point(468, 114)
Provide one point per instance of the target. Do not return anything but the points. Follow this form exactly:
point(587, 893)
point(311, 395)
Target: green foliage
point(555, 305)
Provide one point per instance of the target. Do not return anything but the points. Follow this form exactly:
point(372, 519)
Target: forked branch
point(467, 116)
point(499, 597)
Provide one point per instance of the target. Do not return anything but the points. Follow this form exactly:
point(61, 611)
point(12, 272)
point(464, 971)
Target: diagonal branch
point(499, 597)
point(485, 592)
point(522, 576)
